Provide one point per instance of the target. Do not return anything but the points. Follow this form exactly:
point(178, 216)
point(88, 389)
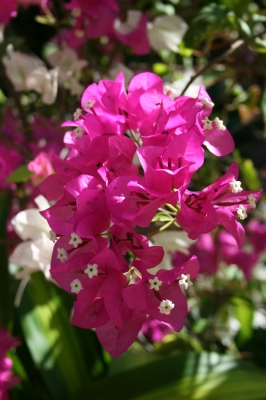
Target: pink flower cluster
point(7, 379)
point(103, 196)
point(9, 8)
point(94, 19)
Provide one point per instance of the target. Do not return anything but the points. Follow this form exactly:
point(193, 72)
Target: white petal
point(41, 202)
point(133, 19)
point(29, 224)
point(166, 32)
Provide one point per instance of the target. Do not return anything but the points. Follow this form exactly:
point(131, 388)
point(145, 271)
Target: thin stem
point(166, 211)
point(175, 210)
point(235, 45)
point(161, 229)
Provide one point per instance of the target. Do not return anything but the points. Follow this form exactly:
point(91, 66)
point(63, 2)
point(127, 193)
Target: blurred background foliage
point(224, 47)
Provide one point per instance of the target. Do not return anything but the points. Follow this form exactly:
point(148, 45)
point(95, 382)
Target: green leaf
point(243, 27)
point(249, 174)
point(263, 101)
point(5, 283)
point(184, 51)
point(200, 325)
point(160, 69)
point(162, 217)
point(259, 44)
point(21, 174)
point(51, 339)
point(184, 376)
point(244, 314)
point(239, 7)
point(211, 18)
point(167, 9)
point(45, 19)
point(258, 17)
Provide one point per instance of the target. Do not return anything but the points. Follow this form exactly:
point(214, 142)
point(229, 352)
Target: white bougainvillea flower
point(170, 241)
point(175, 88)
point(29, 73)
point(18, 65)
point(35, 252)
point(117, 67)
point(166, 32)
point(69, 66)
point(128, 26)
point(173, 241)
point(43, 82)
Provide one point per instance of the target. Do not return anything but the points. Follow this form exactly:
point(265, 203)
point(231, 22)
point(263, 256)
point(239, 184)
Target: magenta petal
point(111, 292)
point(191, 267)
point(91, 225)
point(117, 340)
point(145, 81)
point(136, 296)
point(151, 256)
point(53, 186)
point(219, 142)
point(75, 186)
point(229, 222)
point(89, 315)
point(177, 316)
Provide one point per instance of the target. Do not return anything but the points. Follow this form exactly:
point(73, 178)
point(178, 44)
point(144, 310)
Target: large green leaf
point(21, 174)
point(237, 6)
point(244, 313)
point(184, 376)
point(53, 342)
point(210, 19)
point(5, 292)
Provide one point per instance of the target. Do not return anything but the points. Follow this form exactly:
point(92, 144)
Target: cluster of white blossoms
point(35, 251)
point(27, 72)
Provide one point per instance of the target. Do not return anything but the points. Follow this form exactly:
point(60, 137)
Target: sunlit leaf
point(45, 19)
point(51, 339)
point(185, 376)
point(211, 18)
point(160, 69)
point(21, 174)
point(161, 216)
point(244, 314)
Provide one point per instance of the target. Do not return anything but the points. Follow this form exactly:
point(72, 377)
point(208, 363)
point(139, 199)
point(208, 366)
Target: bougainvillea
point(7, 379)
point(107, 202)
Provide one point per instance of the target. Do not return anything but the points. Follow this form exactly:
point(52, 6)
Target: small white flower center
point(185, 282)
point(62, 254)
point(251, 201)
point(242, 212)
point(77, 114)
point(91, 270)
point(235, 186)
point(79, 33)
point(76, 12)
point(166, 306)
point(79, 131)
point(168, 91)
point(75, 240)
point(219, 124)
point(207, 123)
point(76, 286)
point(207, 103)
point(89, 104)
point(155, 283)
point(52, 236)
